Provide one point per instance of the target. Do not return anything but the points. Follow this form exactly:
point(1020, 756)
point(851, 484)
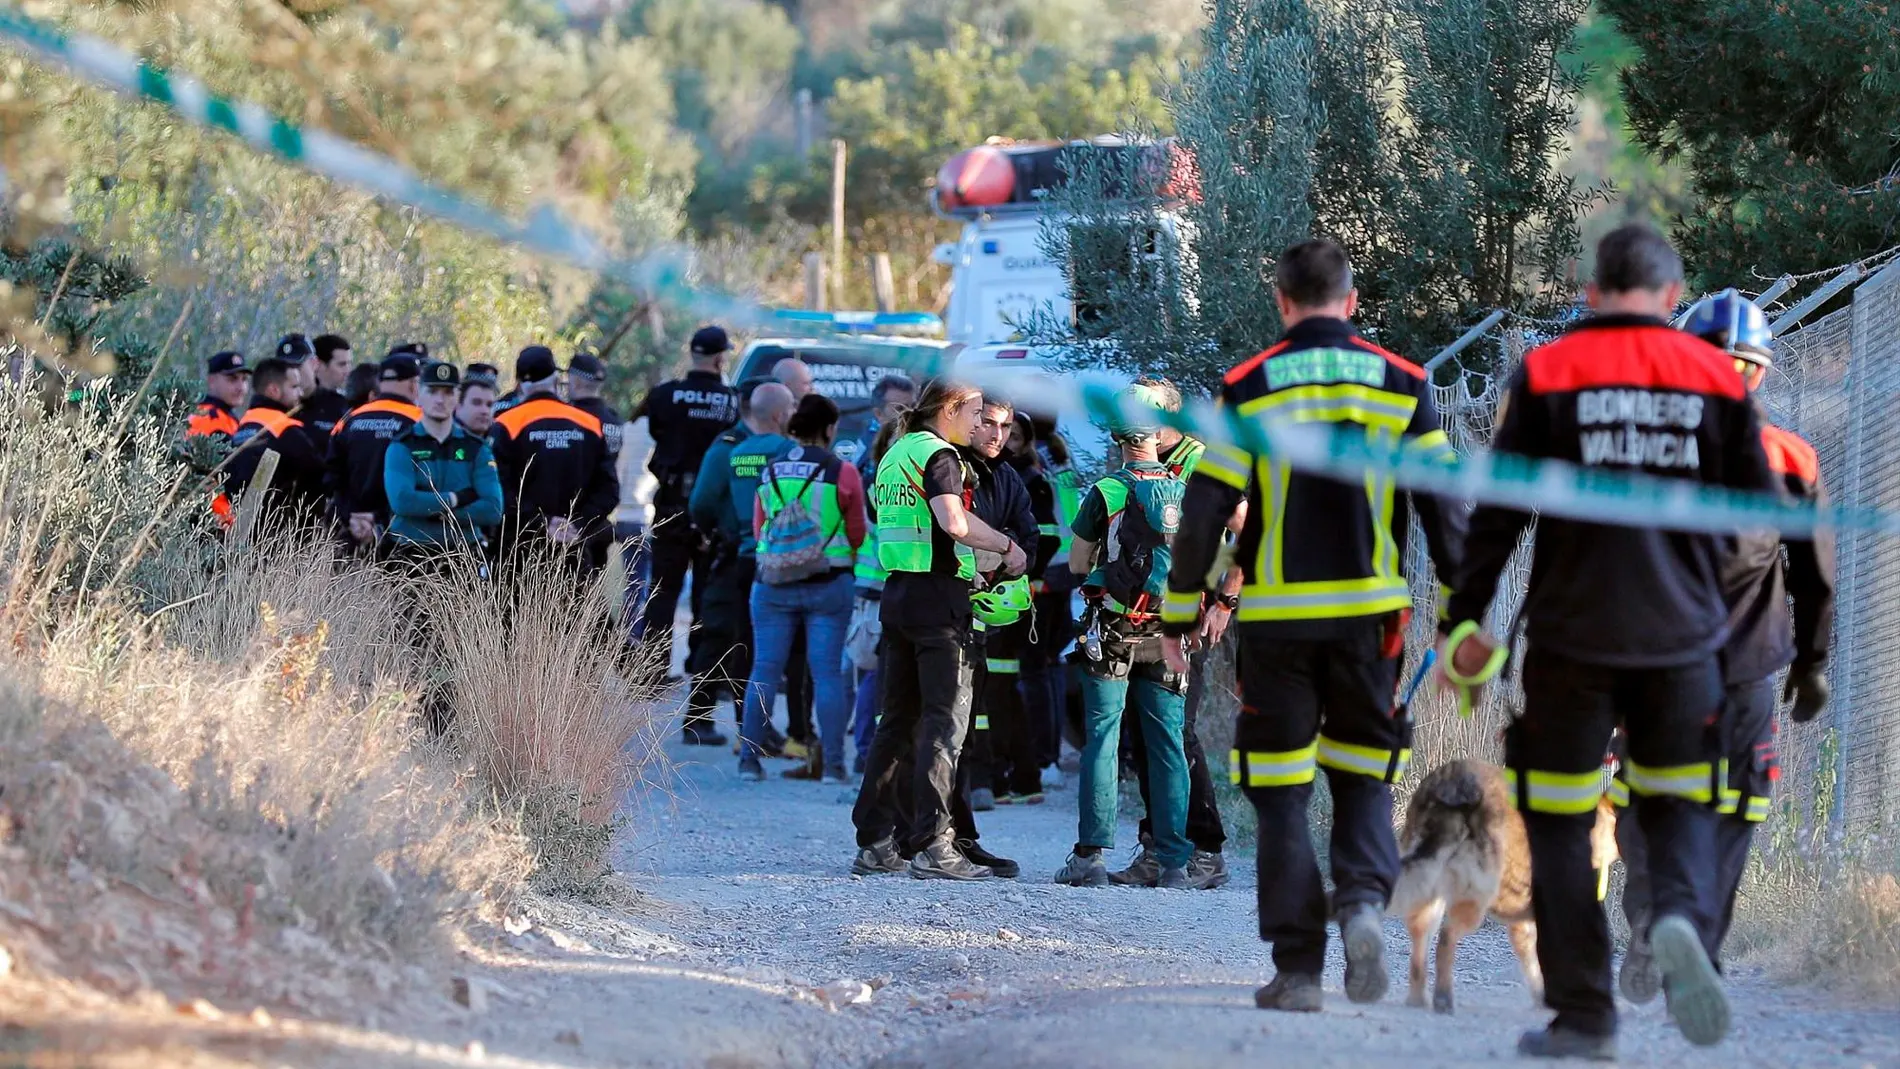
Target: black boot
point(1003, 867)
point(1560, 1042)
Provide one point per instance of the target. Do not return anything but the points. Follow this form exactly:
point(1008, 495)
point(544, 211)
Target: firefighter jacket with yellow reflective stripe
point(1316, 553)
point(906, 528)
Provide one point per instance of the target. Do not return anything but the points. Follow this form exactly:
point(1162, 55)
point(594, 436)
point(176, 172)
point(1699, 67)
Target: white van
point(1031, 377)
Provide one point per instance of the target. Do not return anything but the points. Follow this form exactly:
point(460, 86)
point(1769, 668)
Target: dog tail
point(1443, 811)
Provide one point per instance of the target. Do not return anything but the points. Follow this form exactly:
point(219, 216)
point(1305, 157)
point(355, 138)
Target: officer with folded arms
point(354, 468)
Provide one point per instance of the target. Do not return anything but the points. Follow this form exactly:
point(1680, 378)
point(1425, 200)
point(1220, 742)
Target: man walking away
point(1323, 606)
point(808, 517)
point(296, 488)
point(722, 661)
point(1623, 624)
point(1780, 614)
point(556, 477)
point(328, 371)
point(354, 470)
point(1132, 516)
point(928, 541)
point(683, 417)
point(443, 493)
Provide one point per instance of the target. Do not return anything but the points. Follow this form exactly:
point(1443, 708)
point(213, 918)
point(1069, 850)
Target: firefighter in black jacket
point(1322, 609)
point(296, 488)
point(1780, 616)
point(556, 477)
point(683, 417)
point(354, 470)
point(1624, 624)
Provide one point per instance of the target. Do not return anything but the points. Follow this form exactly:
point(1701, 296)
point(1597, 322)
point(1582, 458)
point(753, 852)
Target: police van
point(848, 352)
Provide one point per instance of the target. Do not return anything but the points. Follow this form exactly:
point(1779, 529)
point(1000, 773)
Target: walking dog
point(1463, 855)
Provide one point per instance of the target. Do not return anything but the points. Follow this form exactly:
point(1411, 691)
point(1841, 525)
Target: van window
point(840, 375)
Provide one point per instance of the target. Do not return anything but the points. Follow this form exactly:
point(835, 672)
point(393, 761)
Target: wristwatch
point(1230, 602)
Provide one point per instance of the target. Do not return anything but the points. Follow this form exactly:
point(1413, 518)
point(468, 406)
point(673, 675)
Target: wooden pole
point(883, 286)
point(815, 281)
point(837, 221)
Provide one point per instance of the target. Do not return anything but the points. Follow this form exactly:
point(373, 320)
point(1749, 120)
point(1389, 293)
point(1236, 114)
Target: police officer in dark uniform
point(327, 372)
point(295, 351)
point(1624, 625)
point(354, 471)
point(683, 417)
point(586, 376)
point(556, 477)
point(296, 487)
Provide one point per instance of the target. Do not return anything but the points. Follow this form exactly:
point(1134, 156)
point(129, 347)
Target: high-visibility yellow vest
point(1068, 488)
point(870, 571)
point(1184, 457)
point(905, 525)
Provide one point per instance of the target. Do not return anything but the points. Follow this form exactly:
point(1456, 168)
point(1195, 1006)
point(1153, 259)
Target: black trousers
point(721, 661)
point(1204, 827)
point(1554, 754)
point(1748, 731)
point(1014, 765)
point(796, 686)
point(924, 674)
point(1308, 705)
point(1045, 676)
point(674, 550)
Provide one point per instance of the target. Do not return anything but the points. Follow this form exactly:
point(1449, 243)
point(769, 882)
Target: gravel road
point(744, 912)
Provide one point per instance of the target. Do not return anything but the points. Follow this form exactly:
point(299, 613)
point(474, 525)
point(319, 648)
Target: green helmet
point(1122, 429)
point(1002, 604)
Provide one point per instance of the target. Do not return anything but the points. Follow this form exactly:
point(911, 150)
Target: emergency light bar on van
point(862, 322)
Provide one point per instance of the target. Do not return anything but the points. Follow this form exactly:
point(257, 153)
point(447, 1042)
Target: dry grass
point(212, 776)
point(1833, 923)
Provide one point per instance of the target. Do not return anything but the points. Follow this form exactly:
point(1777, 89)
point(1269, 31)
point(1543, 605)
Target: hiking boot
point(701, 735)
point(1144, 871)
point(982, 800)
point(1004, 868)
point(1364, 935)
point(1639, 979)
point(878, 858)
point(793, 749)
point(1206, 871)
point(749, 770)
point(941, 861)
point(1084, 871)
point(807, 771)
point(1690, 982)
point(1174, 878)
point(1291, 992)
point(1560, 1042)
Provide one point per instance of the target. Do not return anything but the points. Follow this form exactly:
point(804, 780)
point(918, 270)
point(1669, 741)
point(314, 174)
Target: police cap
point(709, 341)
point(535, 364)
point(587, 365)
point(441, 373)
point(228, 362)
point(294, 349)
point(399, 367)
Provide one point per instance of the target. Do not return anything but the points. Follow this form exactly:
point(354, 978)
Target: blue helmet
point(1730, 321)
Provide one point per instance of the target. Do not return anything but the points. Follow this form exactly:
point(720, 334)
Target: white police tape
point(1592, 494)
point(1597, 495)
point(544, 231)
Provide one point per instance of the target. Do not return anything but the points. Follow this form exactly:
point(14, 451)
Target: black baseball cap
point(228, 362)
point(399, 367)
point(487, 373)
point(708, 341)
point(535, 364)
point(294, 349)
point(588, 365)
point(441, 373)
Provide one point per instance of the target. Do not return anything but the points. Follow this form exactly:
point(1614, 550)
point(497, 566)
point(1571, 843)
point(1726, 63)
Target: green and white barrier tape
point(1591, 494)
point(319, 151)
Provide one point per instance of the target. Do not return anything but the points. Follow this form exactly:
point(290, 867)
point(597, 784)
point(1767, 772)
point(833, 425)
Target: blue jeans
point(1162, 709)
point(822, 609)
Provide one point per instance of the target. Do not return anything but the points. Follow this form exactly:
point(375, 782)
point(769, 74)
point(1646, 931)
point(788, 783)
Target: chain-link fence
point(1836, 382)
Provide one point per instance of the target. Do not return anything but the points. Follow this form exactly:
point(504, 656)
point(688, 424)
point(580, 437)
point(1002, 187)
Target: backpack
point(1138, 550)
point(793, 545)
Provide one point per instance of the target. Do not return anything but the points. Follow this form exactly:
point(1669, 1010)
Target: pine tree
point(1783, 113)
